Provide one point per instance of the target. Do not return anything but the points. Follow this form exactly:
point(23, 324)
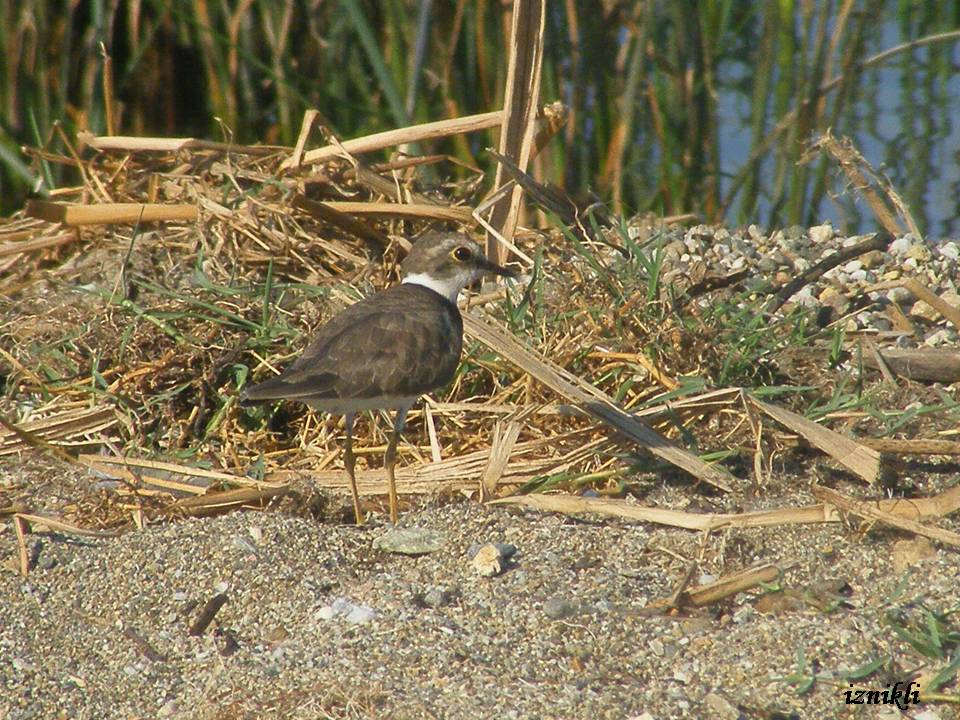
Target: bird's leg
point(390, 460)
point(349, 464)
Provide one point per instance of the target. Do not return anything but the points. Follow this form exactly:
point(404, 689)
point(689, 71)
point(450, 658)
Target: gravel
point(779, 257)
point(317, 623)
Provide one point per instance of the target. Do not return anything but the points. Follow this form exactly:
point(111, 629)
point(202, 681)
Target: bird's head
point(447, 263)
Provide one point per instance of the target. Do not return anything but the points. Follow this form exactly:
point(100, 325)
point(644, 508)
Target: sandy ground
point(101, 627)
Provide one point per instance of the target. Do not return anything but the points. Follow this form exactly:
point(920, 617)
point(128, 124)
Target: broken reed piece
point(74, 214)
point(925, 364)
point(207, 615)
point(399, 136)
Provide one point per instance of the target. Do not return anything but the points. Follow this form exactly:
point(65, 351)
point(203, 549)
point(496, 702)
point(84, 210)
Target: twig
point(207, 615)
point(880, 241)
point(870, 510)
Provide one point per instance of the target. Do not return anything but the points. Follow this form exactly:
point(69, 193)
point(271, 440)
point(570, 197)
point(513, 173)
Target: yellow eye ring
point(461, 254)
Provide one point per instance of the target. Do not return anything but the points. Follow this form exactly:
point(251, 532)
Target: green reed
point(650, 85)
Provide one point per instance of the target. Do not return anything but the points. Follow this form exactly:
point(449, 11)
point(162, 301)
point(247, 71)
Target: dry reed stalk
point(870, 510)
point(107, 213)
point(62, 426)
point(406, 211)
point(521, 96)
point(725, 587)
point(939, 505)
point(897, 446)
point(921, 364)
point(44, 523)
point(310, 118)
point(141, 467)
point(593, 401)
point(865, 180)
point(324, 211)
point(400, 136)
point(505, 434)
point(857, 458)
point(215, 503)
point(38, 243)
point(922, 292)
point(459, 473)
point(21, 527)
point(134, 144)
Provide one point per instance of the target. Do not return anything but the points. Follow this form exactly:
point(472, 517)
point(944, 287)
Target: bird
point(388, 349)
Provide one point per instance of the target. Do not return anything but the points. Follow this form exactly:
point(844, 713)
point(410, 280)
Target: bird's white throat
point(449, 287)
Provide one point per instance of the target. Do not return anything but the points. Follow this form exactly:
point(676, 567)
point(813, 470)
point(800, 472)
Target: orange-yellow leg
point(390, 461)
point(349, 464)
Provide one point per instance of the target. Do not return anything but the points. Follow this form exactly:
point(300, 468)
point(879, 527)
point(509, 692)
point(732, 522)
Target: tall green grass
point(701, 106)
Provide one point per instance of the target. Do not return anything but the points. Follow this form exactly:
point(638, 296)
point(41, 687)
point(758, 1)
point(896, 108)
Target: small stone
point(436, 597)
point(490, 559)
point(604, 606)
point(924, 311)
point(831, 297)
point(410, 541)
point(901, 245)
point(940, 337)
point(720, 707)
point(821, 234)
point(168, 709)
point(890, 275)
point(559, 608)
point(352, 612)
point(805, 297)
point(673, 251)
point(795, 233)
point(21, 665)
point(899, 295)
point(360, 615)
point(873, 259)
point(920, 253)
point(950, 297)
point(853, 266)
point(950, 250)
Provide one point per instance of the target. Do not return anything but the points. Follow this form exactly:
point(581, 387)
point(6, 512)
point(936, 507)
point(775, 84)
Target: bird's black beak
point(491, 267)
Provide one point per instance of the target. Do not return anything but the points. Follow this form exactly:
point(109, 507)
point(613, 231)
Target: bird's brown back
point(402, 342)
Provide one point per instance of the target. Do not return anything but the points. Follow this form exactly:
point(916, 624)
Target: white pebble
point(901, 245)
point(950, 250)
point(821, 233)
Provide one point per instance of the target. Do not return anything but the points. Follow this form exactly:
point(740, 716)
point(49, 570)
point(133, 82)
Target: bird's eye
point(461, 254)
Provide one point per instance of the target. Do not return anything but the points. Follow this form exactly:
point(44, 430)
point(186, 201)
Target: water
point(903, 120)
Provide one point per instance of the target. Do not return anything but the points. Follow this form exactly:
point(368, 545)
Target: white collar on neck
point(448, 287)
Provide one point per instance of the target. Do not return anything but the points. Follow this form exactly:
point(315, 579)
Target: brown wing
point(403, 341)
